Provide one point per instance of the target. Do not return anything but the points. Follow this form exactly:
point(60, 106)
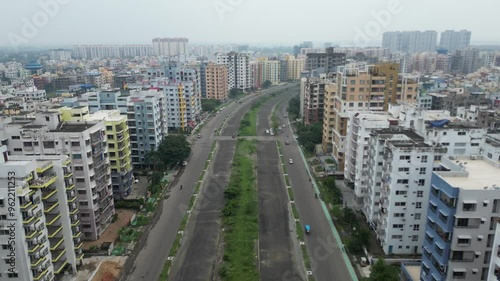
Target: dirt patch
point(111, 233)
point(108, 271)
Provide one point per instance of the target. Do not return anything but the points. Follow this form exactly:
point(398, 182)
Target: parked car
point(290, 161)
point(267, 131)
point(199, 136)
point(287, 142)
point(284, 126)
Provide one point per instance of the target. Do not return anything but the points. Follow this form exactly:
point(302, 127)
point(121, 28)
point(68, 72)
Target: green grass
point(295, 212)
point(165, 270)
point(248, 125)
point(290, 194)
point(287, 180)
point(300, 231)
point(240, 217)
point(305, 256)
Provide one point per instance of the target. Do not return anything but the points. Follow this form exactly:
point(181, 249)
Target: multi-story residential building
point(399, 169)
point(271, 70)
point(464, 61)
point(491, 147)
point(85, 143)
point(295, 67)
point(328, 117)
point(118, 140)
point(43, 220)
point(365, 88)
point(170, 46)
point(325, 62)
point(216, 86)
point(452, 41)
point(190, 80)
point(32, 94)
point(464, 207)
point(238, 69)
point(357, 142)
point(410, 41)
point(111, 51)
point(314, 94)
point(60, 54)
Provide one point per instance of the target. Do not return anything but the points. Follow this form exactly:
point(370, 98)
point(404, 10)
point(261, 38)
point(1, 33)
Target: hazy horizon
point(71, 22)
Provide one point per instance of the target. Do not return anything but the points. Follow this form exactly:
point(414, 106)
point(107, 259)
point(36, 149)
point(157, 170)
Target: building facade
point(238, 69)
point(216, 86)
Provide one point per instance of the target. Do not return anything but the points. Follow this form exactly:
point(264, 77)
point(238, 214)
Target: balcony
point(44, 182)
point(56, 242)
point(71, 196)
point(41, 275)
point(57, 255)
point(71, 187)
point(59, 266)
point(26, 204)
point(49, 207)
point(78, 246)
point(53, 231)
point(37, 261)
point(51, 219)
point(45, 165)
point(77, 235)
point(68, 174)
point(47, 193)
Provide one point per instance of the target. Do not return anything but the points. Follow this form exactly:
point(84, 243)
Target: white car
point(290, 161)
point(267, 131)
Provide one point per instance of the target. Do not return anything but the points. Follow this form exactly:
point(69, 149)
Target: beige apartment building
point(360, 88)
point(294, 67)
point(217, 84)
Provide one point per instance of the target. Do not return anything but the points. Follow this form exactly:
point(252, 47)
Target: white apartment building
point(45, 218)
point(491, 147)
point(32, 94)
point(238, 66)
point(400, 166)
point(86, 144)
point(357, 142)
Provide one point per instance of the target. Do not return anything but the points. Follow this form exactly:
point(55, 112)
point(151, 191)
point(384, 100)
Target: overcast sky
point(240, 21)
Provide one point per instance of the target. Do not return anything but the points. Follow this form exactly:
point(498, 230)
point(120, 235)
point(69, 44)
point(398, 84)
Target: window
point(424, 159)
point(437, 158)
point(468, 207)
point(397, 226)
point(82, 192)
point(463, 241)
point(399, 215)
point(75, 144)
point(80, 180)
point(49, 144)
point(416, 227)
point(404, 157)
point(109, 128)
point(420, 193)
point(18, 149)
point(403, 181)
point(84, 203)
point(422, 171)
point(418, 216)
point(461, 133)
point(418, 205)
point(401, 192)
point(403, 169)
point(421, 182)
point(16, 137)
point(77, 156)
point(397, 236)
point(78, 168)
point(414, 238)
point(401, 204)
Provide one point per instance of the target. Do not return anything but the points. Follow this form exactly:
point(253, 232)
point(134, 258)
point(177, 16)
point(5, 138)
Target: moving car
point(287, 142)
point(307, 229)
point(290, 161)
point(267, 131)
point(199, 136)
point(284, 126)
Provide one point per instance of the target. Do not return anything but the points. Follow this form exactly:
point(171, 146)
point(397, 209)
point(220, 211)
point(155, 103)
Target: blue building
point(464, 205)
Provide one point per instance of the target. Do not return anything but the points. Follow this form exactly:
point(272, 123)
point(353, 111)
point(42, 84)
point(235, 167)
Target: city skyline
point(69, 22)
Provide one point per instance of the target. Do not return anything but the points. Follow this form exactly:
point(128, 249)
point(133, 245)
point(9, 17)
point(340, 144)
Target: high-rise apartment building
point(271, 70)
point(170, 46)
point(294, 67)
point(216, 86)
point(111, 51)
point(189, 78)
point(238, 69)
point(452, 41)
point(325, 62)
point(314, 95)
point(86, 144)
point(399, 169)
point(60, 54)
point(464, 207)
point(410, 41)
point(359, 127)
point(44, 219)
point(118, 140)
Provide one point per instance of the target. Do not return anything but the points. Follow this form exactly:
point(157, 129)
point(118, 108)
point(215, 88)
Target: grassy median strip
point(248, 125)
point(240, 217)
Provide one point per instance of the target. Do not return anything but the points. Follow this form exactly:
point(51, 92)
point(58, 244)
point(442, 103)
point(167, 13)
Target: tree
point(173, 150)
point(155, 177)
point(310, 135)
point(266, 84)
point(294, 107)
point(234, 93)
point(210, 105)
point(381, 271)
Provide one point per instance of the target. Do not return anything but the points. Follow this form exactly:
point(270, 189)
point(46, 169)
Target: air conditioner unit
point(451, 157)
point(473, 157)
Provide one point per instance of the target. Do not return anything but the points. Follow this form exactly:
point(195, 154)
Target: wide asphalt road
point(277, 255)
point(155, 247)
point(326, 255)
